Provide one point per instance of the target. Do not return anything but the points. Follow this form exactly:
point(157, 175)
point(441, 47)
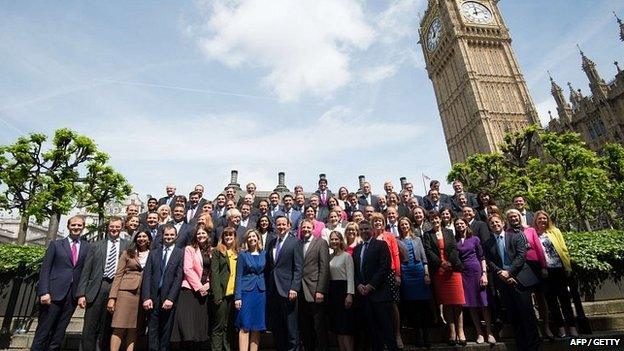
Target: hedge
point(596, 257)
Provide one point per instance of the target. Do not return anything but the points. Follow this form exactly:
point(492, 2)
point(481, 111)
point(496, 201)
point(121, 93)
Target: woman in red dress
point(445, 265)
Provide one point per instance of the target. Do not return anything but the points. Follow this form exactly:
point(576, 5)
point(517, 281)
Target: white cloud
point(306, 45)
point(379, 73)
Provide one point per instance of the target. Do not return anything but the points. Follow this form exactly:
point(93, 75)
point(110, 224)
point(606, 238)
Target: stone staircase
point(606, 319)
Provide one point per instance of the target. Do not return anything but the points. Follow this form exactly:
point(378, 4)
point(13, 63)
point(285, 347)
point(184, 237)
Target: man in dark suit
point(152, 227)
point(322, 192)
point(459, 190)
point(434, 202)
point(162, 279)
point(367, 198)
point(152, 205)
point(193, 210)
point(300, 203)
point(200, 189)
point(248, 220)
point(58, 280)
point(505, 253)
point(479, 228)
point(170, 198)
point(288, 211)
point(315, 279)
point(371, 261)
point(321, 211)
point(218, 209)
point(392, 217)
point(435, 185)
point(274, 204)
point(520, 205)
point(99, 270)
point(284, 264)
point(187, 230)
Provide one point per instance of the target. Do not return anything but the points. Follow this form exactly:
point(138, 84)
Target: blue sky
point(185, 91)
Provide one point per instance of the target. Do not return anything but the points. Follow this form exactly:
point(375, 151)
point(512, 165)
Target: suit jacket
point(481, 230)
point(321, 213)
point(403, 211)
point(515, 249)
point(362, 200)
point(193, 268)
point(93, 272)
point(251, 223)
point(328, 194)
point(198, 212)
point(220, 274)
point(374, 269)
point(249, 276)
point(163, 200)
point(472, 201)
point(295, 216)
point(58, 276)
point(171, 277)
point(529, 218)
point(128, 276)
point(315, 277)
point(430, 242)
point(185, 235)
point(284, 273)
point(442, 203)
point(420, 200)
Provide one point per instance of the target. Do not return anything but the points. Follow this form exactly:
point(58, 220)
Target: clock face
point(433, 35)
point(476, 12)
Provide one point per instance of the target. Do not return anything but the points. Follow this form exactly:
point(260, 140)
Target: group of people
point(189, 272)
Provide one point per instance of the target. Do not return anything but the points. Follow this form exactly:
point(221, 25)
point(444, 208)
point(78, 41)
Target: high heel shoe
point(462, 342)
point(491, 339)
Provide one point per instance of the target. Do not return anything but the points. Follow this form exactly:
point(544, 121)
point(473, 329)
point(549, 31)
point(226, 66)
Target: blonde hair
point(246, 237)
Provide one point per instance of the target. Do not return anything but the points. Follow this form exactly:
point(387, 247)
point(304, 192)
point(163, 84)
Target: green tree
point(575, 174)
point(20, 175)
point(102, 185)
point(613, 163)
point(45, 184)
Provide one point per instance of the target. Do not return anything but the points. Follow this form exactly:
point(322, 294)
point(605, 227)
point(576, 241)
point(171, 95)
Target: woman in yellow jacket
point(559, 270)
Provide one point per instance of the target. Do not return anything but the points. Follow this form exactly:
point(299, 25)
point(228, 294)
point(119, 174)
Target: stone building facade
point(599, 117)
point(480, 90)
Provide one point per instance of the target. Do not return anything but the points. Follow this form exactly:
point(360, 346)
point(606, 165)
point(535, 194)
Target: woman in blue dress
point(249, 292)
point(415, 292)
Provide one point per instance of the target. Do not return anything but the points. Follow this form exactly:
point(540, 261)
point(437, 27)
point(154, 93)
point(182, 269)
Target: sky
point(184, 91)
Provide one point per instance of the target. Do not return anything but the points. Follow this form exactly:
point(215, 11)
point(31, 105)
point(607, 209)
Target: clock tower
point(480, 90)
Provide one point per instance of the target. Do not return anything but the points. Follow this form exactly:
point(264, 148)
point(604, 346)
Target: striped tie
point(109, 271)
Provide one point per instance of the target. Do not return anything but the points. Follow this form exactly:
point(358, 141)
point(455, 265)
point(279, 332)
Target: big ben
point(480, 90)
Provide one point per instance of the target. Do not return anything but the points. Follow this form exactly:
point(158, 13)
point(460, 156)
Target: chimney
point(361, 180)
point(234, 180)
point(403, 181)
point(281, 183)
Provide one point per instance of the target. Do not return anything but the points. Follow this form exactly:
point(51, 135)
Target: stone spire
point(596, 83)
point(557, 93)
point(575, 96)
point(619, 21)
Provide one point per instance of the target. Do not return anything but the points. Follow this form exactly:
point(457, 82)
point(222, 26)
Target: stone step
point(72, 340)
point(603, 307)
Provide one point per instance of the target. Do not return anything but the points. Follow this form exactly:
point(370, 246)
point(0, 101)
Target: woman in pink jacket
point(191, 327)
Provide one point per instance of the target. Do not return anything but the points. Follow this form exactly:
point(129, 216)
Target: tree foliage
point(554, 172)
point(45, 180)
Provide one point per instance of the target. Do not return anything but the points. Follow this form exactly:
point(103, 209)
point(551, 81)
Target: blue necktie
point(163, 266)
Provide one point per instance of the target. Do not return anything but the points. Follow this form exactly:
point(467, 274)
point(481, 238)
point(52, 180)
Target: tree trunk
point(23, 228)
point(587, 225)
point(100, 226)
point(53, 227)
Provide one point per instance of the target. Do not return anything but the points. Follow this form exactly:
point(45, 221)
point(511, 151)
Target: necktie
point(111, 260)
point(288, 214)
point(323, 198)
point(394, 230)
point(278, 248)
point(74, 252)
point(362, 255)
point(191, 214)
point(163, 265)
point(500, 240)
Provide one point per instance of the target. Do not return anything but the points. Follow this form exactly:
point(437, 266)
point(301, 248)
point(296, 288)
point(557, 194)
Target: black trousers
point(159, 325)
point(417, 314)
point(97, 330)
point(558, 298)
point(380, 324)
point(283, 322)
point(521, 315)
point(53, 321)
point(313, 324)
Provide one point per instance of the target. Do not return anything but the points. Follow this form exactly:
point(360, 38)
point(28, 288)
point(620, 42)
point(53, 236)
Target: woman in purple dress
point(474, 278)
